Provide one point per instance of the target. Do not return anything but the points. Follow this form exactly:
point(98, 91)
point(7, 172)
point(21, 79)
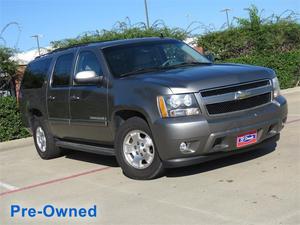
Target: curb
point(14, 144)
point(290, 90)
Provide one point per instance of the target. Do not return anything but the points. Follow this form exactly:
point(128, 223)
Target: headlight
point(177, 105)
point(276, 87)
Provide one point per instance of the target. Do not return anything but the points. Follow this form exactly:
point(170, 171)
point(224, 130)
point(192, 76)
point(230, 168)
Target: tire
point(49, 150)
point(128, 133)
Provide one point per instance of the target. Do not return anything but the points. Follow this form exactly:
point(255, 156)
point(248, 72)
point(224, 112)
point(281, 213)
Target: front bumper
point(171, 163)
point(215, 137)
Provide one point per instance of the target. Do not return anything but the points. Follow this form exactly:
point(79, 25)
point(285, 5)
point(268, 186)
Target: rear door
point(58, 94)
point(88, 102)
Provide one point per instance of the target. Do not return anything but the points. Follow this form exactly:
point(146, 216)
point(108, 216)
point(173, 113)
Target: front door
point(88, 102)
point(58, 95)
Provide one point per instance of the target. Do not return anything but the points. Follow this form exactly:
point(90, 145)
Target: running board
point(86, 148)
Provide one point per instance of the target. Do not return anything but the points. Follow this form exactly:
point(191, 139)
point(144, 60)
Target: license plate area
point(246, 139)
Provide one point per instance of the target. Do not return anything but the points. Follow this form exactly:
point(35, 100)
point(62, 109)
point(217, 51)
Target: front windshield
point(150, 56)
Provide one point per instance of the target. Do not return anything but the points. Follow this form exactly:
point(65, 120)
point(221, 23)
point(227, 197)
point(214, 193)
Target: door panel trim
point(58, 120)
point(82, 122)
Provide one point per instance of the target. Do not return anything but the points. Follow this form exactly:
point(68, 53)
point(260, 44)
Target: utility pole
point(146, 11)
point(36, 36)
point(226, 11)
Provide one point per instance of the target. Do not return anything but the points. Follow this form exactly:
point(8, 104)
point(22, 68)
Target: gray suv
point(154, 103)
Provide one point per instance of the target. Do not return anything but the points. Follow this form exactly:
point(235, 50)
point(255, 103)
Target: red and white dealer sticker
point(246, 139)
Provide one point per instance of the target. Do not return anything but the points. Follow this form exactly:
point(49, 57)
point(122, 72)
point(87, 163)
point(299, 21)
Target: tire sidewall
point(50, 145)
point(152, 170)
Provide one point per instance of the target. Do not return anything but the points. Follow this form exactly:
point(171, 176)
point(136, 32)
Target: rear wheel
point(44, 140)
point(136, 151)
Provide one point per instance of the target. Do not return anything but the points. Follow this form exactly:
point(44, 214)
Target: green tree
point(272, 41)
point(253, 35)
point(8, 67)
point(124, 30)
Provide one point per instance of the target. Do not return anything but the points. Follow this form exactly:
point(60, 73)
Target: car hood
point(194, 79)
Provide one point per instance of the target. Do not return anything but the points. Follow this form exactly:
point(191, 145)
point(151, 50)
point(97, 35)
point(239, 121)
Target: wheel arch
point(121, 115)
point(34, 112)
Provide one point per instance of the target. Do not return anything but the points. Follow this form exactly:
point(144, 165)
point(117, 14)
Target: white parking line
point(8, 186)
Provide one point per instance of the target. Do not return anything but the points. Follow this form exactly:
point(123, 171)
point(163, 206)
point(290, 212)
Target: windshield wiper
point(160, 68)
point(190, 64)
point(143, 70)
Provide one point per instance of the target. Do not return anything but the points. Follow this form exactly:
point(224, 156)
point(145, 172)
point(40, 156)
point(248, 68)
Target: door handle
point(51, 98)
point(74, 98)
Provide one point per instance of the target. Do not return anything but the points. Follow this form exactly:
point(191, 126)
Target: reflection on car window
point(62, 70)
point(128, 58)
point(88, 61)
point(36, 73)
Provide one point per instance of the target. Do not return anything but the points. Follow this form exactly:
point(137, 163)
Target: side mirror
point(210, 57)
point(88, 77)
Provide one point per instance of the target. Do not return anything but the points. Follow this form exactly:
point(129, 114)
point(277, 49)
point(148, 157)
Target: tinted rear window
point(62, 71)
point(36, 73)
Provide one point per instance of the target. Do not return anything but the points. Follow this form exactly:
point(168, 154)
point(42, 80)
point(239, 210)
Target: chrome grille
point(237, 97)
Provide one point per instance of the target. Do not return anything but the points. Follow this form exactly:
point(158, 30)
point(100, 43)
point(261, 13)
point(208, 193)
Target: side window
point(36, 73)
point(62, 71)
point(88, 61)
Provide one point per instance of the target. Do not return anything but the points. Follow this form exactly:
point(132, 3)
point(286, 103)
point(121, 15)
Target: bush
point(123, 30)
point(271, 42)
point(236, 42)
point(255, 35)
point(11, 126)
point(285, 64)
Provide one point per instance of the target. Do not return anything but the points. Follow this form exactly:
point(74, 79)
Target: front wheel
point(44, 140)
point(136, 151)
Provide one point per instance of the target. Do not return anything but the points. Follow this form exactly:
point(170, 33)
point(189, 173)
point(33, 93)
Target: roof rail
point(71, 46)
point(79, 45)
point(61, 49)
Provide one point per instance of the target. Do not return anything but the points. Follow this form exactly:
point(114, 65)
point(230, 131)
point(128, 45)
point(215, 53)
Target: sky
point(60, 19)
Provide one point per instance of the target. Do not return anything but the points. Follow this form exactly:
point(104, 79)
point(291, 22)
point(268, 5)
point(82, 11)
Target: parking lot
point(258, 187)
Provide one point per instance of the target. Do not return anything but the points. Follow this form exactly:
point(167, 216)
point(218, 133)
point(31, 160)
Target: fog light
point(185, 148)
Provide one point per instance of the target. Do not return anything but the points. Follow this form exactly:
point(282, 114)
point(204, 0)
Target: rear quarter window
point(36, 73)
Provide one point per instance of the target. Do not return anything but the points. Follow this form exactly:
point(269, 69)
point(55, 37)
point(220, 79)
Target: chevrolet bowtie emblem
point(241, 95)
